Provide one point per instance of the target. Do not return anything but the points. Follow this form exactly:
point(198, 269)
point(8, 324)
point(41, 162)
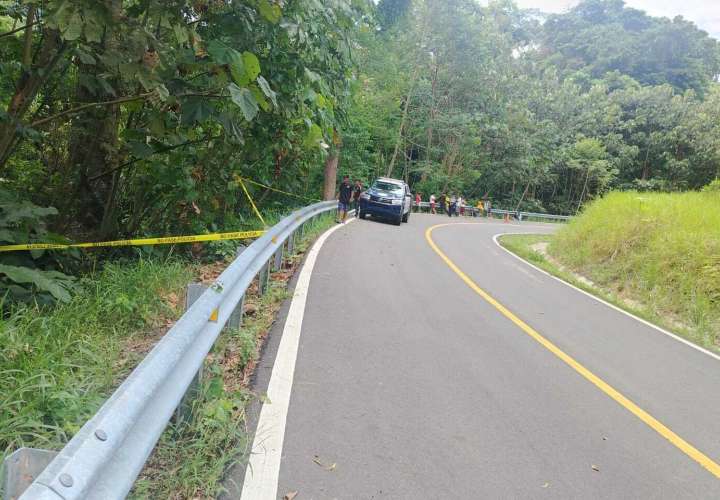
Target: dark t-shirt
point(345, 193)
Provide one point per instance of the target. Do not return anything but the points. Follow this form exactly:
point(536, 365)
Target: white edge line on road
point(613, 306)
point(263, 469)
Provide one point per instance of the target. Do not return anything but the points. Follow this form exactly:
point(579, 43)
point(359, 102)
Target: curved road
point(409, 384)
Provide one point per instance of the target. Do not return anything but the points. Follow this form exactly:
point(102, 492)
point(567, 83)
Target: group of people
point(348, 198)
point(451, 205)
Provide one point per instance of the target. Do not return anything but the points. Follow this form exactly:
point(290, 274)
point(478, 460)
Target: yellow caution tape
point(257, 212)
point(274, 189)
point(240, 235)
point(169, 240)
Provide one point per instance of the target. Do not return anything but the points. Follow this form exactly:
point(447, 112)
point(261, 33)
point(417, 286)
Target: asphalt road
point(408, 384)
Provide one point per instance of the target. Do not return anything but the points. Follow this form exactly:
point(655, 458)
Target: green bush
point(35, 275)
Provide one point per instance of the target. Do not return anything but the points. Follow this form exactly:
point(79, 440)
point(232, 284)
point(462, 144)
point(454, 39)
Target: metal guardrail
point(527, 215)
point(474, 211)
point(105, 457)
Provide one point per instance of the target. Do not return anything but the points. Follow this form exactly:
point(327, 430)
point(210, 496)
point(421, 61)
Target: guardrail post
point(184, 409)
point(278, 258)
point(264, 278)
point(235, 319)
point(21, 468)
point(291, 244)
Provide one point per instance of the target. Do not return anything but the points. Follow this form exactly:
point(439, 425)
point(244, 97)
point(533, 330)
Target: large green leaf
point(270, 11)
point(220, 53)
point(13, 212)
point(260, 98)
point(140, 149)
point(53, 282)
point(252, 65)
point(181, 34)
point(195, 110)
point(314, 136)
point(93, 30)
point(265, 87)
point(237, 70)
point(244, 98)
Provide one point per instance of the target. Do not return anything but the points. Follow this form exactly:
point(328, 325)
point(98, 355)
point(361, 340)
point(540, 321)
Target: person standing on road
point(418, 199)
point(443, 202)
point(344, 195)
point(479, 208)
point(357, 190)
point(461, 207)
point(452, 206)
point(432, 204)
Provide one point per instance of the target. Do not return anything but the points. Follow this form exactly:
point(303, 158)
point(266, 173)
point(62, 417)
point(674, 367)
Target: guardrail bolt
point(66, 480)
point(100, 434)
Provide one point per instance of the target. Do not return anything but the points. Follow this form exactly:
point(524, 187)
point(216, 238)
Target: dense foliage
point(136, 117)
point(129, 114)
point(533, 111)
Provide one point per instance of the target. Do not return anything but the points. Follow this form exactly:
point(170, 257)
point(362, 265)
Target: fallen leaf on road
point(595, 468)
point(604, 438)
point(546, 485)
point(290, 495)
point(328, 468)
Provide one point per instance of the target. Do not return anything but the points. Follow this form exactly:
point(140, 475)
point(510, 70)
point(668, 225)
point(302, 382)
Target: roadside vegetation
point(655, 254)
point(193, 455)
point(58, 365)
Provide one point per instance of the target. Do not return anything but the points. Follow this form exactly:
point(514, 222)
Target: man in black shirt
point(344, 196)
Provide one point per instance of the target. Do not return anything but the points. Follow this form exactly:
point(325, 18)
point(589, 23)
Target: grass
point(657, 255)
point(192, 457)
point(58, 365)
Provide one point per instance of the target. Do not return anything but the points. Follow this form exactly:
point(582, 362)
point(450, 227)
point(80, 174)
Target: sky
point(704, 13)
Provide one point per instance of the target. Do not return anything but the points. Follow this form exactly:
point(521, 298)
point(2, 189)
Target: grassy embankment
point(57, 367)
point(657, 255)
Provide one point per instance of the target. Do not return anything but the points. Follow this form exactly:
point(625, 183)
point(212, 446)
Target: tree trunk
point(331, 167)
point(582, 194)
point(93, 148)
point(527, 186)
point(401, 128)
point(646, 166)
point(431, 119)
point(27, 89)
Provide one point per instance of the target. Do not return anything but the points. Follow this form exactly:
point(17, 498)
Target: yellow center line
point(652, 422)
